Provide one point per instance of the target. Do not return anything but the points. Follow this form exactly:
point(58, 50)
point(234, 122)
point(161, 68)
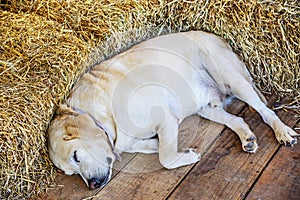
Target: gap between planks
point(227, 172)
point(280, 179)
point(143, 177)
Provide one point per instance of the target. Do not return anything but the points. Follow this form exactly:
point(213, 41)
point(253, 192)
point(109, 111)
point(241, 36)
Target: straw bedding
point(45, 45)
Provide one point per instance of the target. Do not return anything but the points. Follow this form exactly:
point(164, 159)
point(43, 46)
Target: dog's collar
point(99, 125)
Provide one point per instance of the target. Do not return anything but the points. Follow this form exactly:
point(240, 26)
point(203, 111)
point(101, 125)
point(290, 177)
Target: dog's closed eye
point(75, 157)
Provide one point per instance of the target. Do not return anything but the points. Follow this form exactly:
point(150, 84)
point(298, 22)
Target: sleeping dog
point(146, 91)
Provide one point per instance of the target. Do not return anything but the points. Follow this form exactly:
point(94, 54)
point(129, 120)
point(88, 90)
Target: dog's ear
point(65, 110)
point(71, 133)
point(71, 130)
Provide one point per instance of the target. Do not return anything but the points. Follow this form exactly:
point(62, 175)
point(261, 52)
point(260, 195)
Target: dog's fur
point(122, 103)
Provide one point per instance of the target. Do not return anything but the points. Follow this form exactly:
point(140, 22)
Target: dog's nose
point(95, 183)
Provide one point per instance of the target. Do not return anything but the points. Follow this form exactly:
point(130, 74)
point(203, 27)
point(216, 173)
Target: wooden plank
point(144, 178)
point(281, 179)
point(73, 187)
point(226, 172)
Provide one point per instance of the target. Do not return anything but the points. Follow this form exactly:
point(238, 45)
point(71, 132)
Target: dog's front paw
point(194, 156)
point(285, 134)
point(181, 159)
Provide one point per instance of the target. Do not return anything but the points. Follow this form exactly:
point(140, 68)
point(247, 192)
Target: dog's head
point(78, 146)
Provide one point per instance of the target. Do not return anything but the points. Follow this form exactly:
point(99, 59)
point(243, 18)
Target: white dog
point(122, 103)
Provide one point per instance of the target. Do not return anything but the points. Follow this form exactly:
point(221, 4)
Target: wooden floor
point(224, 172)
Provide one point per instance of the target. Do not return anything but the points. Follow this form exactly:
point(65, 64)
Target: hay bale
point(264, 33)
point(45, 46)
point(39, 60)
point(92, 21)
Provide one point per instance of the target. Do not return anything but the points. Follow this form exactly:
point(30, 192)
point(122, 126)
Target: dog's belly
point(140, 86)
point(142, 104)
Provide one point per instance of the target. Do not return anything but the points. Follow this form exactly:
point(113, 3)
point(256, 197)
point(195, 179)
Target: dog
point(123, 103)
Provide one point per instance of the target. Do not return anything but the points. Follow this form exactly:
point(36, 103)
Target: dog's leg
point(168, 146)
point(144, 146)
point(216, 113)
point(244, 91)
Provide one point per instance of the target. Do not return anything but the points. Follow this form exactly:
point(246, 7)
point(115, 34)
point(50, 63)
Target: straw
point(45, 46)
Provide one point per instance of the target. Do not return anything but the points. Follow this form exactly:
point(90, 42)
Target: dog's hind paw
point(285, 135)
point(249, 144)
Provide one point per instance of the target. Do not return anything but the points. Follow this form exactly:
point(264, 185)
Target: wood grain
point(226, 172)
point(73, 187)
point(281, 179)
point(144, 178)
